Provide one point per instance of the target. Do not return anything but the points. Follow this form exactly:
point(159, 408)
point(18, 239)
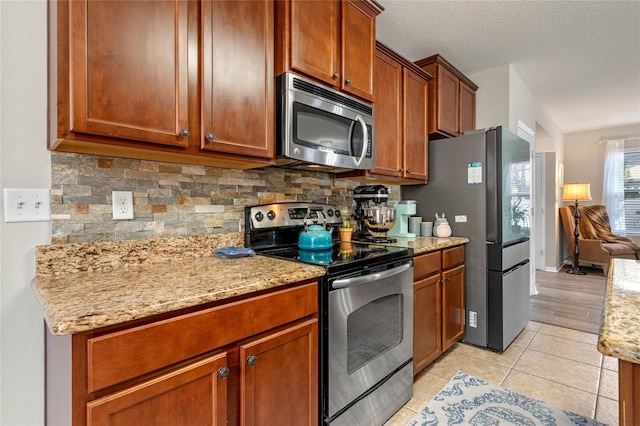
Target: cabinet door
point(427, 338)
point(358, 47)
point(467, 103)
point(128, 70)
point(388, 134)
point(279, 377)
point(192, 395)
point(448, 108)
point(415, 126)
point(315, 39)
point(237, 77)
point(452, 306)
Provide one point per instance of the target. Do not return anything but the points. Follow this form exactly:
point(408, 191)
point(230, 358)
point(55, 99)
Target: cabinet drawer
point(123, 355)
point(452, 257)
point(426, 264)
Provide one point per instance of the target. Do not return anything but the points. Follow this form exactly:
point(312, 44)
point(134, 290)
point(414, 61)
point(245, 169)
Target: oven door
point(370, 332)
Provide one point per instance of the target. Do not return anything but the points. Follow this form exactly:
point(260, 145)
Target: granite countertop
point(426, 244)
point(620, 325)
point(82, 287)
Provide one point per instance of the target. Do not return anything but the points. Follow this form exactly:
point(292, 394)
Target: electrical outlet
point(122, 204)
point(473, 319)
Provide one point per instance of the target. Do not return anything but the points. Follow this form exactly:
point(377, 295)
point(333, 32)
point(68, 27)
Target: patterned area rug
point(467, 400)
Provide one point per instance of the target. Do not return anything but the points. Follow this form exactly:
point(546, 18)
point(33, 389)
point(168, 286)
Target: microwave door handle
point(365, 136)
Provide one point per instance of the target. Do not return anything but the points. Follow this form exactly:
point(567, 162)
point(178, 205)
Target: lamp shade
point(576, 192)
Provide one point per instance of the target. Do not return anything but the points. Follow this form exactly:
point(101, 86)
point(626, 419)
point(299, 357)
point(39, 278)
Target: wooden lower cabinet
point(629, 395)
point(452, 306)
point(281, 367)
point(192, 395)
point(427, 321)
point(234, 363)
point(438, 311)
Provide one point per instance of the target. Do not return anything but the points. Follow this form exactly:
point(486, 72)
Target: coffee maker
point(372, 214)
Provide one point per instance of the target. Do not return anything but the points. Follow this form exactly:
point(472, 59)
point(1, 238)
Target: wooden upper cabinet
point(238, 93)
point(128, 76)
point(188, 82)
point(332, 41)
point(467, 100)
point(452, 98)
point(358, 47)
point(446, 106)
point(400, 139)
point(314, 38)
point(415, 126)
point(388, 148)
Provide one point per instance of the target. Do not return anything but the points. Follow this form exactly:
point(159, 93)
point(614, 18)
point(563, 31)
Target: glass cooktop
point(342, 254)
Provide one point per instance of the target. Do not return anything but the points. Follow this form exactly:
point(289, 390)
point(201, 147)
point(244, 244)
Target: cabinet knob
point(447, 279)
point(223, 372)
point(336, 75)
point(347, 81)
point(408, 170)
point(209, 137)
point(184, 133)
point(251, 360)
point(401, 169)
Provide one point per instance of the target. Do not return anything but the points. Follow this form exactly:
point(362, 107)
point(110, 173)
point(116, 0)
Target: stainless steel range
point(366, 311)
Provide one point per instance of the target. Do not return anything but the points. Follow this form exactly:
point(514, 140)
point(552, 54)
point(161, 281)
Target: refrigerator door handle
point(516, 267)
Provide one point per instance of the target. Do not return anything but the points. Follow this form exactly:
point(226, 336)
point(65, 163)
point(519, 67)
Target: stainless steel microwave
point(321, 129)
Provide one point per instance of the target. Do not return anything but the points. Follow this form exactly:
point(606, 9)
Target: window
point(632, 189)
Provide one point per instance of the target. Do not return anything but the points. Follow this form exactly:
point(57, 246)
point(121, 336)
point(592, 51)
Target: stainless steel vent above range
point(322, 129)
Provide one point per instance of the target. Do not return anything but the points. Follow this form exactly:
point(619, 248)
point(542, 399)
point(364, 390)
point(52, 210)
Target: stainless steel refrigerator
point(482, 182)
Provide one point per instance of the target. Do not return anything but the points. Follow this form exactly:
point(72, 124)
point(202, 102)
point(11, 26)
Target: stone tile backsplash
point(172, 199)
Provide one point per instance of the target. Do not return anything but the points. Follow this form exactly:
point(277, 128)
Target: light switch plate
point(27, 205)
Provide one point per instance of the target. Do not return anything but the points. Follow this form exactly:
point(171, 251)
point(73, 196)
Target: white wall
point(492, 97)
point(24, 162)
point(584, 156)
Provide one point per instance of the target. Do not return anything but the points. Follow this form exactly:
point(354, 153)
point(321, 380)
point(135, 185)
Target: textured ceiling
point(581, 59)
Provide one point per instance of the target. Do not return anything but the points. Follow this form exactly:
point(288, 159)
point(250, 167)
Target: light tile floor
point(553, 364)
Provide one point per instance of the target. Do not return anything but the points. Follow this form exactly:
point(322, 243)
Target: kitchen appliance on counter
point(482, 181)
point(318, 128)
point(374, 216)
point(366, 312)
point(404, 209)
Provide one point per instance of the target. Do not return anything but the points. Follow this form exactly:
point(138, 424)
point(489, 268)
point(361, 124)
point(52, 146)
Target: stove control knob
point(330, 213)
point(337, 213)
point(271, 215)
point(259, 216)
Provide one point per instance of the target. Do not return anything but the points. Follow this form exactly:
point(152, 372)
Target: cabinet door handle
point(251, 360)
point(347, 81)
point(210, 137)
point(336, 75)
point(184, 133)
point(223, 372)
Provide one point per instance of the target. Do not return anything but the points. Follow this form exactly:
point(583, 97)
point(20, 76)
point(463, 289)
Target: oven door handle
point(362, 279)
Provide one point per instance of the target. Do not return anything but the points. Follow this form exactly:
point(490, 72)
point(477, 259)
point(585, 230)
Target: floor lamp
point(576, 192)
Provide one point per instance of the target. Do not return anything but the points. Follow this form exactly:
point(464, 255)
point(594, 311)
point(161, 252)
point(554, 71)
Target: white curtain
point(613, 185)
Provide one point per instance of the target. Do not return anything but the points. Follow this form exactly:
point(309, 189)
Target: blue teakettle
point(315, 237)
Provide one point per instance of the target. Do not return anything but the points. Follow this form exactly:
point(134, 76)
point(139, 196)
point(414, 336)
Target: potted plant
point(346, 231)
point(519, 214)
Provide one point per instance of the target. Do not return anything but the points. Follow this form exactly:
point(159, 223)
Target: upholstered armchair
point(600, 245)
